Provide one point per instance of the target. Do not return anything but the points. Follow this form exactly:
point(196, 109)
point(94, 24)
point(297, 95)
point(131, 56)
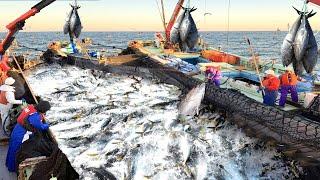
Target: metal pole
point(33, 96)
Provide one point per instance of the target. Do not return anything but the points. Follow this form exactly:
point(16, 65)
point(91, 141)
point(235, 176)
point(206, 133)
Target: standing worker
point(213, 75)
point(289, 81)
point(32, 122)
point(7, 99)
point(271, 86)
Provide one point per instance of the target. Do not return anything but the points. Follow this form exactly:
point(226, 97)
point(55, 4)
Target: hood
point(7, 88)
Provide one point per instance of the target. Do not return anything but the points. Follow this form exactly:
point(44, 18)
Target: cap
point(43, 106)
point(9, 81)
point(270, 72)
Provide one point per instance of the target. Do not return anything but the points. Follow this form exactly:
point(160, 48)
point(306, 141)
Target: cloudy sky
point(143, 15)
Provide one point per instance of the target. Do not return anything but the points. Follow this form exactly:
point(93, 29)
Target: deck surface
point(4, 173)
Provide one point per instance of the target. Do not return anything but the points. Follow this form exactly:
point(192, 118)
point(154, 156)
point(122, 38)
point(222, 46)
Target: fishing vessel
point(294, 127)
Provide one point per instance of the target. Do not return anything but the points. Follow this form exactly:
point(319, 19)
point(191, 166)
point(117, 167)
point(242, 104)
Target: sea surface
point(121, 125)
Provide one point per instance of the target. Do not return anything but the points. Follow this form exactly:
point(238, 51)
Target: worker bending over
point(29, 121)
point(213, 75)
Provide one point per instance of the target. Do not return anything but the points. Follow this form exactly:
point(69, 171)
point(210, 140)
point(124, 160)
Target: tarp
point(317, 2)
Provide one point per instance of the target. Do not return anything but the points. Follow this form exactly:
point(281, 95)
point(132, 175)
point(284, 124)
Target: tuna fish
point(311, 55)
point(174, 34)
point(297, 66)
point(189, 106)
point(66, 27)
point(301, 40)
point(73, 23)
point(287, 52)
point(188, 29)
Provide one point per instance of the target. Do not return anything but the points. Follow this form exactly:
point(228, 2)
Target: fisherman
point(271, 86)
point(213, 75)
point(32, 122)
point(289, 81)
point(7, 99)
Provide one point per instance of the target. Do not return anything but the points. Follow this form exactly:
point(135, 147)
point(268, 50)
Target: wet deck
point(4, 173)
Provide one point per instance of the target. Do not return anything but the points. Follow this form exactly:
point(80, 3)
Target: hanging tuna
point(299, 46)
point(174, 33)
point(73, 23)
point(188, 29)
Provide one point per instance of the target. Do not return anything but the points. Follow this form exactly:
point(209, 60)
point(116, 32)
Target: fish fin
point(311, 14)
point(299, 12)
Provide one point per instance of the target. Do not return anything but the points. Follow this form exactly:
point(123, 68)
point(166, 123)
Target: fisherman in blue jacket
point(21, 132)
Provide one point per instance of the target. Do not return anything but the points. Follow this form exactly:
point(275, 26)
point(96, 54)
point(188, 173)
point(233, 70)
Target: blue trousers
point(270, 97)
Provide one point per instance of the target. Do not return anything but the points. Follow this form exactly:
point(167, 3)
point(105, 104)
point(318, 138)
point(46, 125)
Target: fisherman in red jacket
point(271, 86)
point(289, 81)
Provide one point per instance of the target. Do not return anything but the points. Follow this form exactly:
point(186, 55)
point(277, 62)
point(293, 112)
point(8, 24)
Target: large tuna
point(66, 27)
point(174, 34)
point(311, 56)
point(73, 23)
point(188, 29)
point(287, 52)
point(301, 40)
point(189, 106)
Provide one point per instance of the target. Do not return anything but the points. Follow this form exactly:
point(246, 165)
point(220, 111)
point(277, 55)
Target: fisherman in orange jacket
point(289, 81)
point(271, 86)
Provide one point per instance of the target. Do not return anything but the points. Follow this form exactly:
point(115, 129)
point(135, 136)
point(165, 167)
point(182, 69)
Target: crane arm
point(316, 2)
point(15, 26)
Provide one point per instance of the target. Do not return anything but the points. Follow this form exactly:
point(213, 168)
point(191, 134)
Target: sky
point(143, 15)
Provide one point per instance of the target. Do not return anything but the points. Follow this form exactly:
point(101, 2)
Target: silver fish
point(301, 40)
point(298, 67)
point(189, 106)
point(66, 27)
point(311, 56)
point(174, 34)
point(75, 22)
point(287, 45)
point(187, 25)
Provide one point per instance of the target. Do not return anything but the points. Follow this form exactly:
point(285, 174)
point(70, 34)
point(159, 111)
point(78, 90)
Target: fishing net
point(287, 126)
point(57, 164)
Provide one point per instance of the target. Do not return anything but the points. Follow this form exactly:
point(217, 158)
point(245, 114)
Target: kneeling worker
point(271, 86)
point(213, 75)
point(289, 83)
point(29, 121)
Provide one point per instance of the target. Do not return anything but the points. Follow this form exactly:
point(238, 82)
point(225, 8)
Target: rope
point(228, 29)
point(159, 10)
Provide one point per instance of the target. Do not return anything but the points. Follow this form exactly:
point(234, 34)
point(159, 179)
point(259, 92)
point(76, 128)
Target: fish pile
point(73, 24)
point(113, 126)
point(300, 46)
point(184, 32)
point(181, 65)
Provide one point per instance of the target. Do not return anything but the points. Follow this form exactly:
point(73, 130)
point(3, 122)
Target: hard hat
point(270, 72)
point(9, 81)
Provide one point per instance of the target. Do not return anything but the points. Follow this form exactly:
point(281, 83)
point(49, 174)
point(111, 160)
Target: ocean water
point(119, 124)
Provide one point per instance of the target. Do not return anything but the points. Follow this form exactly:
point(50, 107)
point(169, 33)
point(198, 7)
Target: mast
point(173, 18)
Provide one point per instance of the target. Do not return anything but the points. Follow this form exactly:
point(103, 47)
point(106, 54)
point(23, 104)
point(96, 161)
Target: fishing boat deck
point(4, 173)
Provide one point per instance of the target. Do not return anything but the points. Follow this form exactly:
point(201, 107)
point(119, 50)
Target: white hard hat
point(270, 72)
point(9, 81)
